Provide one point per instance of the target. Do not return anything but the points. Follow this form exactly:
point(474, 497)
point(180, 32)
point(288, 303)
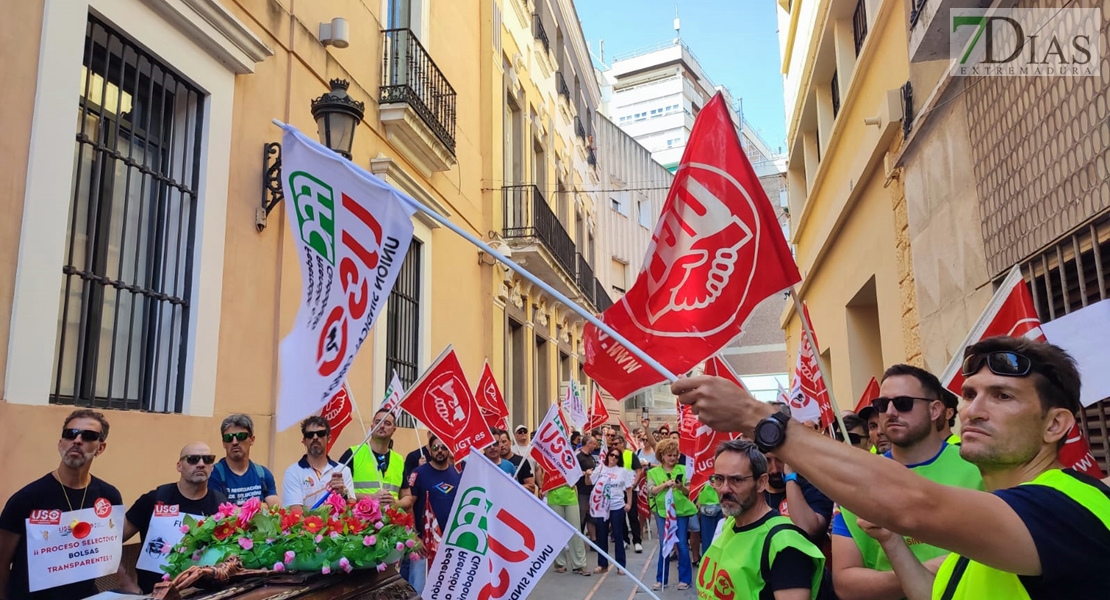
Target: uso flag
point(351, 231)
point(717, 252)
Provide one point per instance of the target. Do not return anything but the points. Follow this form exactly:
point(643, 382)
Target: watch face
point(769, 433)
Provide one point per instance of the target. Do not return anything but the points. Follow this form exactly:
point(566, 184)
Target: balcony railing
point(591, 157)
point(527, 215)
point(540, 33)
point(561, 85)
point(410, 76)
point(834, 89)
point(579, 130)
point(859, 24)
point(585, 278)
point(602, 300)
point(907, 109)
point(916, 8)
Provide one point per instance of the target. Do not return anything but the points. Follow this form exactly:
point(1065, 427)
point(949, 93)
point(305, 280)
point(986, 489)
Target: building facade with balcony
point(140, 273)
point(844, 64)
point(998, 172)
point(541, 181)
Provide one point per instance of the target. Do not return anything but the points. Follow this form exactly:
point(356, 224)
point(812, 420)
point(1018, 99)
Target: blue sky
point(735, 40)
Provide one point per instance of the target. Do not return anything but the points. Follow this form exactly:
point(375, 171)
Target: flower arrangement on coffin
point(338, 536)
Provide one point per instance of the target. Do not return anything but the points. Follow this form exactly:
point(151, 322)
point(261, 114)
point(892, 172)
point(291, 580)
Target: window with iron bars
point(122, 338)
point(1066, 277)
point(402, 326)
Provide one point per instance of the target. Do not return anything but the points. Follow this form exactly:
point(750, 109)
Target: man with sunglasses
point(236, 475)
point(431, 485)
point(158, 515)
point(378, 470)
point(1042, 532)
point(68, 488)
point(308, 480)
point(913, 412)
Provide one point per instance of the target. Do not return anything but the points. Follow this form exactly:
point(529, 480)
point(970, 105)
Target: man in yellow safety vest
point(377, 470)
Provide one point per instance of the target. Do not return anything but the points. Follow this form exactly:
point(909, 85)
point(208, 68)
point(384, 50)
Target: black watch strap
point(770, 433)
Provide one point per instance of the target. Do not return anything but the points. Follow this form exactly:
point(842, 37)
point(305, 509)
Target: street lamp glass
point(337, 116)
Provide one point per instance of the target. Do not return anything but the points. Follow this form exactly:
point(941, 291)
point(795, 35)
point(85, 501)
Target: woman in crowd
point(612, 493)
point(670, 477)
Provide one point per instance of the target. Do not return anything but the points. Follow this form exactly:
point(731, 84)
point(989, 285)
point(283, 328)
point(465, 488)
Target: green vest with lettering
point(738, 564)
point(962, 579)
point(947, 468)
point(682, 505)
point(365, 472)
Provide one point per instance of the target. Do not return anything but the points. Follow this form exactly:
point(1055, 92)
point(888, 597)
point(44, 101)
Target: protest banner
point(65, 547)
point(573, 406)
point(809, 395)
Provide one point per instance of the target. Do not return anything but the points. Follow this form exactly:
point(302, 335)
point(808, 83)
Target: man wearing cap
point(879, 442)
point(520, 446)
point(1043, 531)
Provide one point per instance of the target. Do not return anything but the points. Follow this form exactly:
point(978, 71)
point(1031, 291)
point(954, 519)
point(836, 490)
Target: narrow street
point(611, 585)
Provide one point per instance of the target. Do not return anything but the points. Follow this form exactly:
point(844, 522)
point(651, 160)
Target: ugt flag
point(490, 401)
point(717, 252)
point(338, 413)
point(704, 442)
point(499, 540)
point(599, 415)
point(441, 399)
point(351, 231)
point(809, 396)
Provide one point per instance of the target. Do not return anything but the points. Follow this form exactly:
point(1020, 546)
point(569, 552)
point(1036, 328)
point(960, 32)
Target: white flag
point(552, 449)
point(670, 525)
point(499, 540)
point(576, 409)
point(351, 231)
point(393, 394)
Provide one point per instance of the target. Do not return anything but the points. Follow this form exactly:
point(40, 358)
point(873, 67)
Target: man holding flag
point(377, 469)
point(429, 494)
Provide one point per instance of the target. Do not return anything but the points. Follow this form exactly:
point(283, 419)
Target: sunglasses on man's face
point(86, 435)
point(437, 448)
point(239, 435)
point(308, 435)
point(193, 459)
point(902, 404)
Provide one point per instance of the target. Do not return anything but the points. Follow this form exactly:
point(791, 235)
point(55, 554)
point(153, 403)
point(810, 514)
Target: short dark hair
point(933, 389)
point(1058, 381)
point(496, 431)
point(432, 437)
point(853, 421)
point(316, 420)
point(388, 413)
point(747, 448)
point(88, 413)
point(238, 420)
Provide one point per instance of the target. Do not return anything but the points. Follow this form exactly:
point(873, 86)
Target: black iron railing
point(834, 88)
point(907, 109)
point(591, 157)
point(527, 215)
point(859, 25)
point(584, 277)
point(561, 85)
point(410, 75)
point(602, 300)
point(579, 130)
point(916, 8)
point(540, 33)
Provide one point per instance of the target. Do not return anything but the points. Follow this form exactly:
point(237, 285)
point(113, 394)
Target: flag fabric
point(643, 503)
point(489, 398)
point(783, 396)
point(809, 396)
point(499, 540)
point(702, 448)
point(552, 450)
point(1011, 312)
point(717, 251)
point(599, 415)
point(432, 534)
point(393, 395)
point(633, 444)
point(441, 399)
point(599, 500)
point(338, 413)
point(573, 406)
point(869, 393)
point(669, 534)
point(687, 426)
point(351, 232)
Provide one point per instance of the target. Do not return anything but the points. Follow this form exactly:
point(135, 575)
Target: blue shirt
point(257, 482)
point(428, 483)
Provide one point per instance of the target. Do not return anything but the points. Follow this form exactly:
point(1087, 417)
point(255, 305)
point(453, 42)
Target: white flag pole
point(800, 309)
point(585, 314)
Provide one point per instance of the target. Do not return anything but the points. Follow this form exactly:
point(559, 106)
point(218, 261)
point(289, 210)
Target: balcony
point(585, 279)
point(930, 24)
point(561, 86)
point(907, 109)
point(537, 238)
point(539, 32)
point(602, 299)
point(834, 90)
point(579, 130)
point(859, 25)
point(417, 103)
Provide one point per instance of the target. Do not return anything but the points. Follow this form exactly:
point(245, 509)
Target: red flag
point(687, 429)
point(809, 396)
point(441, 399)
point(432, 534)
point(488, 394)
point(717, 251)
point(643, 504)
point(338, 413)
point(869, 393)
point(633, 443)
point(599, 415)
point(702, 446)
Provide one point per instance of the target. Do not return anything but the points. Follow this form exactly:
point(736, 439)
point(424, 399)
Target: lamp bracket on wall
point(272, 192)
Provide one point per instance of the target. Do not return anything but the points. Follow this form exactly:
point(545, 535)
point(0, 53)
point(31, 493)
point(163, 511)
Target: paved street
point(610, 586)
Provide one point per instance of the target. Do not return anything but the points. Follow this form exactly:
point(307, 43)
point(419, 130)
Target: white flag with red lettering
point(393, 395)
point(553, 452)
point(351, 232)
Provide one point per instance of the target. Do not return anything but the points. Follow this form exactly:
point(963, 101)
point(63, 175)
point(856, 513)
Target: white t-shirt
point(304, 485)
point(616, 479)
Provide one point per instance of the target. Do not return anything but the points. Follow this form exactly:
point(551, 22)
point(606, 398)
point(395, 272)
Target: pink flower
point(319, 538)
point(368, 509)
point(249, 509)
point(181, 549)
point(166, 548)
point(246, 543)
point(369, 540)
point(345, 564)
point(289, 556)
point(414, 556)
point(337, 503)
point(227, 508)
point(381, 567)
point(334, 535)
point(409, 543)
point(379, 525)
point(326, 570)
point(400, 546)
point(269, 541)
point(279, 567)
point(196, 556)
point(184, 529)
point(166, 577)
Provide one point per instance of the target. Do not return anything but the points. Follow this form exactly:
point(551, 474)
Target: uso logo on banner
point(45, 517)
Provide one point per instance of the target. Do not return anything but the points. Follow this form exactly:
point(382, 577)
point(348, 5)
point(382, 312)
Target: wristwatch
point(770, 433)
point(790, 477)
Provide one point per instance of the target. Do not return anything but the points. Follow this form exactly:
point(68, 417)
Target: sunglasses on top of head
point(239, 435)
point(86, 435)
point(193, 459)
point(901, 404)
point(1006, 364)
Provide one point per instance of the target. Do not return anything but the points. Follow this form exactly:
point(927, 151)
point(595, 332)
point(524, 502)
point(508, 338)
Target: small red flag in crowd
point(441, 399)
point(599, 415)
point(809, 396)
point(338, 413)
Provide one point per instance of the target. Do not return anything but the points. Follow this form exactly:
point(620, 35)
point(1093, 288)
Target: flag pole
point(367, 439)
point(519, 270)
point(820, 363)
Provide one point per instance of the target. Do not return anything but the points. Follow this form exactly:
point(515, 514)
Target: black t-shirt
point(48, 493)
point(141, 512)
point(819, 502)
point(1073, 543)
point(412, 460)
point(587, 462)
point(792, 568)
point(525, 472)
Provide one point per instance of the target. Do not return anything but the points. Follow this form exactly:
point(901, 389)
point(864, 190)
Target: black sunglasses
point(239, 435)
point(437, 447)
point(193, 459)
point(87, 435)
point(308, 435)
point(1006, 364)
point(901, 404)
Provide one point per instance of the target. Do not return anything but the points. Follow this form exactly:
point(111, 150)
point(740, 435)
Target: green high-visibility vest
point(946, 468)
point(682, 505)
point(708, 495)
point(364, 470)
point(962, 579)
point(738, 564)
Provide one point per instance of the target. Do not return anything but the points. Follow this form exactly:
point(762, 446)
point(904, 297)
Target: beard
point(75, 462)
point(316, 449)
point(775, 480)
point(909, 435)
point(197, 476)
point(737, 504)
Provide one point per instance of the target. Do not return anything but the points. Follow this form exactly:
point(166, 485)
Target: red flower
point(356, 525)
point(313, 524)
point(398, 517)
point(288, 520)
point(335, 525)
point(223, 531)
